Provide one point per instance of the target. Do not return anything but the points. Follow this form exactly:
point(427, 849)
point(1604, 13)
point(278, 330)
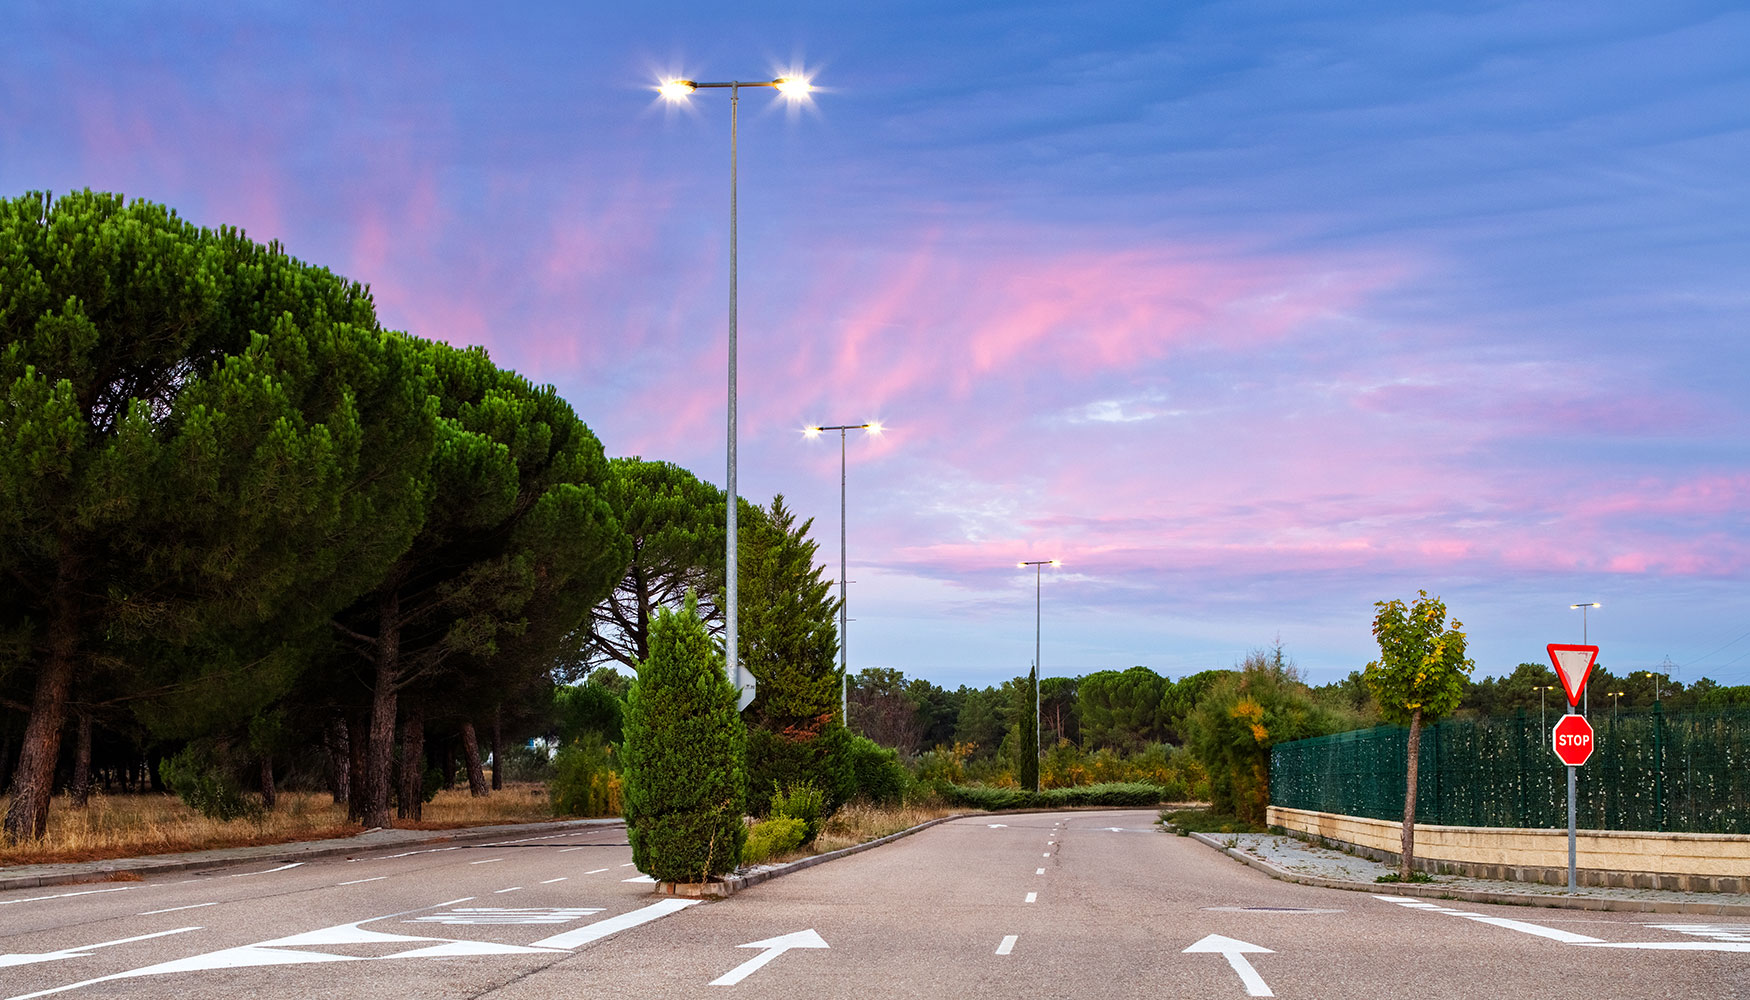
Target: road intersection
point(1084, 904)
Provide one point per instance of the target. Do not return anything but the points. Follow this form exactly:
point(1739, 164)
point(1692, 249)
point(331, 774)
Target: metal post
point(1572, 850)
point(732, 659)
point(1659, 764)
point(844, 635)
point(1038, 574)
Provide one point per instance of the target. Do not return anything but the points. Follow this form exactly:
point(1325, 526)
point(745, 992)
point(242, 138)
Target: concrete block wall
point(1706, 862)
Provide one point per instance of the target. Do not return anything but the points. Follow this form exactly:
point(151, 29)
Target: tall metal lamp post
point(794, 88)
point(1585, 696)
point(1038, 571)
point(811, 432)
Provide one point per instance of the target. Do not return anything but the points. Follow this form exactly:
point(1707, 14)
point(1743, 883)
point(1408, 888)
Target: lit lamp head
point(796, 88)
point(677, 90)
point(811, 432)
point(873, 426)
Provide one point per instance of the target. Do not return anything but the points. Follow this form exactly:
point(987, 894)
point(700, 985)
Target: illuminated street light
point(812, 432)
point(1038, 569)
point(793, 88)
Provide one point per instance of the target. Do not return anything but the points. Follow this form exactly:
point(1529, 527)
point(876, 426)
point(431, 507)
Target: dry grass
point(859, 823)
point(123, 826)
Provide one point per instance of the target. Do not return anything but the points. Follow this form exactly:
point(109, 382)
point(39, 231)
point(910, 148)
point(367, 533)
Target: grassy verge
point(1204, 821)
point(125, 826)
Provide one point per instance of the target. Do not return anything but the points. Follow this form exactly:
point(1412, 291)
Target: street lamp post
point(1038, 571)
point(873, 427)
point(1542, 719)
point(795, 88)
point(1585, 696)
point(1656, 678)
point(1615, 704)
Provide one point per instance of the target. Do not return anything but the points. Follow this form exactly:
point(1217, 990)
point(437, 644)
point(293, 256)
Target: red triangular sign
point(1573, 666)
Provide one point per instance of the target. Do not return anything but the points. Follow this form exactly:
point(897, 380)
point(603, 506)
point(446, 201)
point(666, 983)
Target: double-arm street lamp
point(873, 427)
point(794, 88)
point(1038, 571)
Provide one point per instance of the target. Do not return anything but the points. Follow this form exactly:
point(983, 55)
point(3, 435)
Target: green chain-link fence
point(1687, 772)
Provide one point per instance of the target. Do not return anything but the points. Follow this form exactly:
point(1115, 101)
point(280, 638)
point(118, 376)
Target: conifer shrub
point(877, 772)
point(817, 752)
point(683, 760)
point(804, 802)
point(772, 837)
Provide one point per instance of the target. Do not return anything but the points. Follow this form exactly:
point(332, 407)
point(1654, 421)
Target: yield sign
point(1573, 665)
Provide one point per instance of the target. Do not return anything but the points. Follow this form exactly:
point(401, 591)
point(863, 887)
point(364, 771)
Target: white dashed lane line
point(64, 895)
point(486, 862)
point(358, 881)
point(1008, 944)
point(553, 880)
point(597, 871)
point(1032, 897)
point(173, 909)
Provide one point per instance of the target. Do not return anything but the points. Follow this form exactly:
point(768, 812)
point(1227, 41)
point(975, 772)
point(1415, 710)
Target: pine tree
point(684, 782)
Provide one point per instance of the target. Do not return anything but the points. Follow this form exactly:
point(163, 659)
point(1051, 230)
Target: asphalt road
point(1022, 906)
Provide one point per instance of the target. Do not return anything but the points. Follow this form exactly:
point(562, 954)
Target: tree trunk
point(447, 757)
point(1408, 859)
point(334, 737)
point(80, 790)
point(27, 817)
point(268, 794)
point(411, 794)
point(380, 759)
point(497, 751)
point(357, 752)
point(471, 753)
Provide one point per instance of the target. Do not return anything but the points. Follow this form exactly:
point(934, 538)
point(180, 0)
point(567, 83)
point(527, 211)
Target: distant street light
point(1615, 704)
point(1038, 569)
point(793, 88)
point(1542, 719)
point(873, 427)
point(1656, 678)
point(1585, 700)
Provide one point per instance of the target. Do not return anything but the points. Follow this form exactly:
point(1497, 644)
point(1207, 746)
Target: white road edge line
point(173, 909)
point(1008, 944)
point(64, 895)
point(268, 871)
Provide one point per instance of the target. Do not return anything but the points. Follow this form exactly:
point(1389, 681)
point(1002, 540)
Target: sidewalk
point(29, 876)
point(1293, 860)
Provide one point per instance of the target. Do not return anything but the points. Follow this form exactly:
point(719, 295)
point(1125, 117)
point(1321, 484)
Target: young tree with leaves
point(683, 757)
point(1419, 677)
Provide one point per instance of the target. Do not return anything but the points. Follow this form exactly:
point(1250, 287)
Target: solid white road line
point(268, 871)
point(173, 909)
point(64, 895)
point(1008, 944)
point(83, 951)
point(357, 881)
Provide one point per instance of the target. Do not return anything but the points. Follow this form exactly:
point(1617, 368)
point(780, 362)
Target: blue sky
point(1252, 313)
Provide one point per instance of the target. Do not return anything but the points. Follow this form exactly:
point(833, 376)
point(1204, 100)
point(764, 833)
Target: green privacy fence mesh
point(1686, 772)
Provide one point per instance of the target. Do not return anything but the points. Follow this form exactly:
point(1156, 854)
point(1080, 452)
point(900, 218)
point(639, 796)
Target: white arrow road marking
point(774, 947)
point(83, 951)
point(1235, 952)
point(1719, 932)
point(278, 951)
point(613, 925)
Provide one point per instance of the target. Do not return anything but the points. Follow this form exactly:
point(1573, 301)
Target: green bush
point(683, 761)
point(1205, 821)
point(818, 753)
point(203, 779)
point(772, 837)
point(1129, 793)
point(584, 781)
point(878, 775)
point(801, 802)
point(526, 763)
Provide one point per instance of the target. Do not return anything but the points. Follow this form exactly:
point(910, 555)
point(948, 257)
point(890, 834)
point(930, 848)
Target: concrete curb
point(100, 871)
point(1437, 891)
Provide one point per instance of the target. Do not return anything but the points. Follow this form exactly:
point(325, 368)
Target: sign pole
point(1572, 853)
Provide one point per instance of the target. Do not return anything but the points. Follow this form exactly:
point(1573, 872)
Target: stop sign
point(1572, 738)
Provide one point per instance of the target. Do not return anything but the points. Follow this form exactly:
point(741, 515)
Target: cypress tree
point(682, 760)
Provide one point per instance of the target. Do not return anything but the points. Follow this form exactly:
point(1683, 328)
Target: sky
point(1250, 313)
